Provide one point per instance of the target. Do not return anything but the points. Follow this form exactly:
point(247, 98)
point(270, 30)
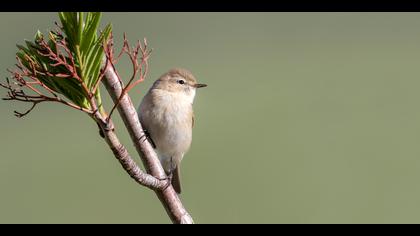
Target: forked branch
point(25, 79)
point(140, 69)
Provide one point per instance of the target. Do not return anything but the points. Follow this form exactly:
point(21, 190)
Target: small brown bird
point(166, 114)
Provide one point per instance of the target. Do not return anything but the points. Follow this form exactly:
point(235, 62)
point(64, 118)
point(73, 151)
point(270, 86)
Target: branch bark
point(122, 155)
point(168, 197)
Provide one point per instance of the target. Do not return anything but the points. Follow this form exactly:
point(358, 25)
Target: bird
point(166, 114)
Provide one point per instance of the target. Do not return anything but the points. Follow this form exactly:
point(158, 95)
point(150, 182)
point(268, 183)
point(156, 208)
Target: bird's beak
point(200, 85)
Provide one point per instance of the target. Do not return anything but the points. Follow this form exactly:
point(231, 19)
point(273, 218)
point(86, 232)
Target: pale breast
point(168, 119)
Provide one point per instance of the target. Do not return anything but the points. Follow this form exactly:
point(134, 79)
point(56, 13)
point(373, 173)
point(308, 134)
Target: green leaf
point(94, 59)
point(80, 33)
point(89, 31)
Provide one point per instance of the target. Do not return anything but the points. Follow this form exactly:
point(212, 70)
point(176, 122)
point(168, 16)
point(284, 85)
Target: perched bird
point(166, 114)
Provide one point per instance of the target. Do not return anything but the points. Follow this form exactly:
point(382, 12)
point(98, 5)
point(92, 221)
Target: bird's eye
point(181, 81)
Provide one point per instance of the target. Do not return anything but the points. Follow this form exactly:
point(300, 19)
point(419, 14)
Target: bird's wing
point(192, 124)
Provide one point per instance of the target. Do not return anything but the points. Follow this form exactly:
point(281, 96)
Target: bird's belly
point(172, 135)
point(171, 145)
point(171, 141)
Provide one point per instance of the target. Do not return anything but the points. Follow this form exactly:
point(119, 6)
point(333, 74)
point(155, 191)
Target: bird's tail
point(176, 181)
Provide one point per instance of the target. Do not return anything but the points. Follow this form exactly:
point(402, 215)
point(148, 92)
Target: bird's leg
point(169, 175)
point(168, 178)
point(171, 170)
point(146, 135)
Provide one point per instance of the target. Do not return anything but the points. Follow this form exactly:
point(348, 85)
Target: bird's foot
point(167, 178)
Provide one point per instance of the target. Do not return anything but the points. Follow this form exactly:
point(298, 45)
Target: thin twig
point(138, 68)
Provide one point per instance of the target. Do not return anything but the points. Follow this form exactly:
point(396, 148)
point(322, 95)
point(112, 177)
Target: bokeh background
point(308, 118)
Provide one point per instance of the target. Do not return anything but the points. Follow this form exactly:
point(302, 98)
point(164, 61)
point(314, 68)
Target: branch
point(167, 196)
point(122, 155)
point(60, 60)
point(17, 93)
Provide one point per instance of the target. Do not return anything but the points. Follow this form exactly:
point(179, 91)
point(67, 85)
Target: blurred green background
point(308, 118)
